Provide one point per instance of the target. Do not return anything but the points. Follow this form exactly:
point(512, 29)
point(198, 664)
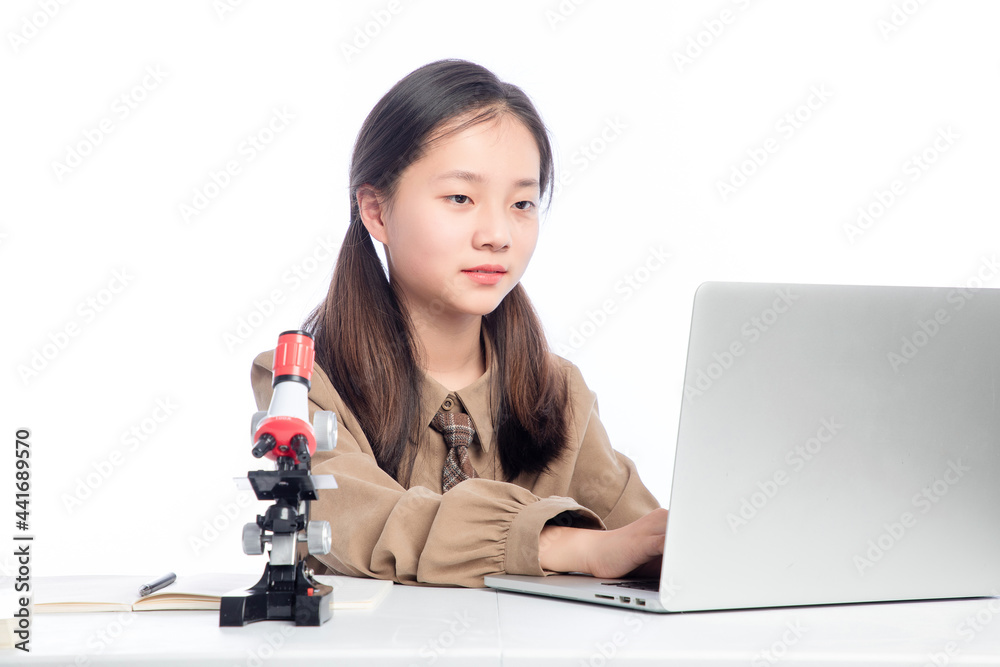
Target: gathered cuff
point(521, 552)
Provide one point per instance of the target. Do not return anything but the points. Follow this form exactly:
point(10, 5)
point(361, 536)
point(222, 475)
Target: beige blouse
point(483, 526)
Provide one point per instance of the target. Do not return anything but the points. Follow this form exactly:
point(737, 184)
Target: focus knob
point(325, 429)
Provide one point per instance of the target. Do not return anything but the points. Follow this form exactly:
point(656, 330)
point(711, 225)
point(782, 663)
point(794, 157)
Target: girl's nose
point(492, 230)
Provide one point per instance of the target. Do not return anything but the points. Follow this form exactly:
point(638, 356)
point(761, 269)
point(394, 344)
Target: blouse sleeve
point(603, 479)
point(417, 536)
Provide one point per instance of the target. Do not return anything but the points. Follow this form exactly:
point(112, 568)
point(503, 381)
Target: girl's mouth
point(487, 274)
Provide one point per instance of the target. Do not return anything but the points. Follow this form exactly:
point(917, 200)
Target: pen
point(157, 584)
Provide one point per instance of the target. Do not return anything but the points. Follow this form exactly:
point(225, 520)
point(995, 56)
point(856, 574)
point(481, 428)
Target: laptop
point(836, 444)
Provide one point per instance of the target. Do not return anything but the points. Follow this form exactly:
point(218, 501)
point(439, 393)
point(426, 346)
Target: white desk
point(441, 627)
point(537, 631)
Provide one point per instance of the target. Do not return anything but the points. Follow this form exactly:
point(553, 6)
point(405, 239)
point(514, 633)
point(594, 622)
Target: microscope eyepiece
point(293, 358)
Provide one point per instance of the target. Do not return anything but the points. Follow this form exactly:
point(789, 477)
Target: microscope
point(283, 434)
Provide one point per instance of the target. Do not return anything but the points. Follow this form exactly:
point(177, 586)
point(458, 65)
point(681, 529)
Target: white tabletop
point(417, 626)
point(540, 631)
point(412, 626)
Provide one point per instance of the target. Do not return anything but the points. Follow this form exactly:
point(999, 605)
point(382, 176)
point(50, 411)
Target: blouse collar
point(475, 398)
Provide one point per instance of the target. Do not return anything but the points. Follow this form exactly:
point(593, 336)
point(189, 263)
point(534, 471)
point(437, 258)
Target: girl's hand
point(607, 554)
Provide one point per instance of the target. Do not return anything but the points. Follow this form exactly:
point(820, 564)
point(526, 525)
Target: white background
point(670, 98)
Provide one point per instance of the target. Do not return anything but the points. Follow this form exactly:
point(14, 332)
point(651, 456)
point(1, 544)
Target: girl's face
point(464, 221)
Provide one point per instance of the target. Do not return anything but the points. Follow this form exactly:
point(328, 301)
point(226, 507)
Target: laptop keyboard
point(638, 585)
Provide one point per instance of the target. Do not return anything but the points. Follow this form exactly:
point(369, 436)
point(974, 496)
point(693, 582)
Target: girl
point(465, 447)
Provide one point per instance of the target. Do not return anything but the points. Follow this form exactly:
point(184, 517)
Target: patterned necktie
point(457, 430)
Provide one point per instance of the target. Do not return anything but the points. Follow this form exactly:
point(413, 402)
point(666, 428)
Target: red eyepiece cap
point(293, 357)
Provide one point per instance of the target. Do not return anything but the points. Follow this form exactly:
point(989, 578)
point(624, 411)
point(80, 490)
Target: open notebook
point(7, 627)
point(199, 591)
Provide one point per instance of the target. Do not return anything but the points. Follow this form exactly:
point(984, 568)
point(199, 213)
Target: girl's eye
point(464, 198)
point(529, 204)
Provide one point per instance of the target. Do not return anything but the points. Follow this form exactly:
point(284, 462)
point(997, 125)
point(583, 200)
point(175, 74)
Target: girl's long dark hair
point(364, 339)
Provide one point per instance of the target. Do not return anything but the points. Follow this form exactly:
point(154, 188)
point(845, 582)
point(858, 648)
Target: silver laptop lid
point(837, 444)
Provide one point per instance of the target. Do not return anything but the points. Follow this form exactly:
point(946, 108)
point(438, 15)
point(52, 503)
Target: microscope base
point(284, 593)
